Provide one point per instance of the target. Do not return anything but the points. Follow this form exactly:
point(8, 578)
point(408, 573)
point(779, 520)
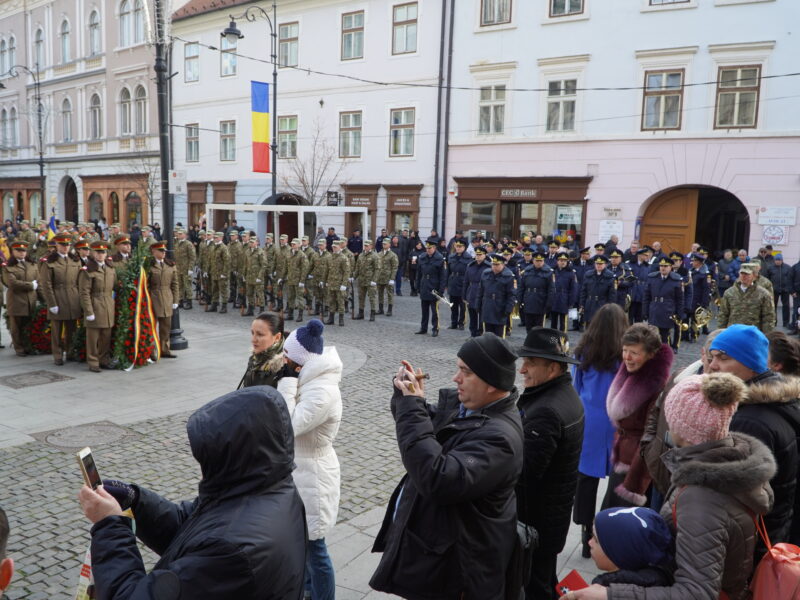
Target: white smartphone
point(88, 468)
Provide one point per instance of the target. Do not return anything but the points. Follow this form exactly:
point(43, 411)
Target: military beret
point(665, 262)
point(19, 245)
point(99, 245)
point(600, 258)
point(159, 246)
point(122, 239)
point(82, 245)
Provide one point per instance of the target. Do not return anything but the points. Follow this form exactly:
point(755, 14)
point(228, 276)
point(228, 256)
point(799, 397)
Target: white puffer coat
point(315, 403)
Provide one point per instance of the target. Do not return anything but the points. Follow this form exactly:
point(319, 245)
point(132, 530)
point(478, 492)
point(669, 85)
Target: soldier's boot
point(360, 315)
point(341, 319)
point(330, 319)
point(300, 316)
point(213, 307)
point(259, 310)
point(389, 311)
point(319, 309)
point(372, 315)
point(249, 312)
point(380, 309)
point(223, 308)
point(188, 305)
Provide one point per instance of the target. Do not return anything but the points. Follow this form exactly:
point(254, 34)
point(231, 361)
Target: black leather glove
point(124, 493)
point(288, 371)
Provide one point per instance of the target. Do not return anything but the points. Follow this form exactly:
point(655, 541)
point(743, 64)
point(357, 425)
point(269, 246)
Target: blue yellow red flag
point(259, 107)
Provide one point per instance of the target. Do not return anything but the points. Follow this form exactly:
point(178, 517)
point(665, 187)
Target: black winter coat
point(457, 270)
point(781, 278)
point(552, 423)
point(431, 275)
point(243, 537)
point(453, 532)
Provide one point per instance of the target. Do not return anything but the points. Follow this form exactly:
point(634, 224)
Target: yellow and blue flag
point(259, 103)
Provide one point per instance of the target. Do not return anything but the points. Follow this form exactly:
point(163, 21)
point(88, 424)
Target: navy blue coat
point(565, 290)
point(640, 271)
point(242, 537)
point(472, 281)
point(457, 270)
point(688, 292)
point(431, 275)
point(662, 299)
point(581, 270)
point(551, 261)
point(596, 291)
point(496, 296)
point(622, 274)
point(701, 289)
point(536, 290)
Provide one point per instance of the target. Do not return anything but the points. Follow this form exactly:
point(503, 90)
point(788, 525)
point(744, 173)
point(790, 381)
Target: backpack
point(777, 576)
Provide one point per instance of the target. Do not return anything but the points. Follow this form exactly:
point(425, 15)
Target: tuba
point(702, 317)
point(676, 319)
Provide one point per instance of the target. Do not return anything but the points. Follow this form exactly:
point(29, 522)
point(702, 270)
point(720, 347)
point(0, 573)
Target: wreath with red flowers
point(35, 332)
point(126, 300)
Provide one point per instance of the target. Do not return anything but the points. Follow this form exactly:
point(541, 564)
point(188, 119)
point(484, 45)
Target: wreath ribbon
point(143, 293)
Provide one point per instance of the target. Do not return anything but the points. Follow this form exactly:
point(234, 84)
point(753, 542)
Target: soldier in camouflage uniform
point(26, 234)
point(295, 281)
point(337, 277)
point(219, 263)
point(270, 257)
point(184, 257)
point(254, 266)
point(203, 264)
point(351, 260)
point(752, 305)
point(317, 272)
point(388, 263)
point(39, 247)
point(365, 273)
point(309, 252)
point(236, 251)
point(113, 232)
point(147, 239)
point(281, 257)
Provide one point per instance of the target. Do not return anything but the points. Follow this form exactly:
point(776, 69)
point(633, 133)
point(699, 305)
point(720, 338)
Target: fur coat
point(629, 400)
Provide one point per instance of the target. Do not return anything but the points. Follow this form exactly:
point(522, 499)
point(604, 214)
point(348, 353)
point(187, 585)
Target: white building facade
point(668, 120)
point(340, 130)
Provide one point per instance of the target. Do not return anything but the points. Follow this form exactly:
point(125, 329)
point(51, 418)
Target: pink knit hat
point(700, 408)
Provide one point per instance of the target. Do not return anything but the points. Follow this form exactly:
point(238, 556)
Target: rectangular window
point(561, 97)
point(492, 109)
point(350, 134)
point(193, 142)
point(227, 140)
point(191, 62)
point(404, 28)
point(561, 8)
point(495, 12)
point(353, 35)
point(663, 97)
point(287, 137)
point(401, 132)
point(288, 35)
point(660, 2)
point(227, 58)
point(737, 96)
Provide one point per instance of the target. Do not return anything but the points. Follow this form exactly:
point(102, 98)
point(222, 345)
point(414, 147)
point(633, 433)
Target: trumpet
point(441, 298)
point(676, 319)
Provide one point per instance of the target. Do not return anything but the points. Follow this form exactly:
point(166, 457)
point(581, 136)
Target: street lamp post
point(39, 127)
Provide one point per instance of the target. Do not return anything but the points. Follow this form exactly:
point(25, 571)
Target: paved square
point(31, 378)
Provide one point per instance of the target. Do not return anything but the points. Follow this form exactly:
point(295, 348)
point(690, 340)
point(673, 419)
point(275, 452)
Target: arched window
point(133, 209)
point(8, 207)
point(95, 118)
point(125, 112)
point(138, 22)
point(12, 52)
point(125, 24)
point(95, 206)
point(66, 120)
point(3, 57)
point(141, 110)
point(13, 127)
point(65, 49)
point(38, 49)
point(35, 206)
point(5, 142)
point(94, 34)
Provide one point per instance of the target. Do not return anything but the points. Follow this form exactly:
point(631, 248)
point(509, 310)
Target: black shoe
point(380, 309)
point(420, 332)
point(168, 356)
point(372, 315)
point(413, 293)
point(389, 311)
point(461, 327)
point(341, 319)
point(453, 327)
point(248, 312)
point(586, 535)
point(299, 316)
point(188, 305)
point(435, 333)
point(213, 307)
point(330, 320)
point(360, 315)
point(223, 309)
point(398, 293)
point(290, 316)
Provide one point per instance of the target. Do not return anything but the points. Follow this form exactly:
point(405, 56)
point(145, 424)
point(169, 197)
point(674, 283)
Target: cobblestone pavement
point(38, 482)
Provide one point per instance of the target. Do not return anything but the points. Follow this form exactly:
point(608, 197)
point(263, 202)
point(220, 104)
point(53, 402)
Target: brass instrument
point(702, 317)
point(441, 298)
point(683, 326)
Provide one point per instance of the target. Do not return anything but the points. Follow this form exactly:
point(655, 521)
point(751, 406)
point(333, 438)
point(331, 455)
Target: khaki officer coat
point(18, 277)
point(162, 282)
point(96, 286)
point(58, 280)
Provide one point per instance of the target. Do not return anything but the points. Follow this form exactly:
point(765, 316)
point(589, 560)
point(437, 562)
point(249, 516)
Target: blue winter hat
point(304, 342)
point(746, 344)
point(634, 538)
point(778, 256)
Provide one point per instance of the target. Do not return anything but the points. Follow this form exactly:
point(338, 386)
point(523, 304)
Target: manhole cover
point(32, 378)
point(90, 434)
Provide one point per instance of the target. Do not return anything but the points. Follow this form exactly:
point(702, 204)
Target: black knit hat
point(490, 358)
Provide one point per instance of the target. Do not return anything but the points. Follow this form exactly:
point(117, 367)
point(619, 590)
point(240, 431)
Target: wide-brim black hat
point(543, 342)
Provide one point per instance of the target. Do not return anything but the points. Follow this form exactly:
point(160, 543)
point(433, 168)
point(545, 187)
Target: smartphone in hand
point(88, 468)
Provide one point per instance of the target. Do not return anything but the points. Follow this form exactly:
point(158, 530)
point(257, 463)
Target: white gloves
point(205, 273)
point(174, 306)
point(350, 280)
point(35, 284)
point(372, 284)
point(90, 318)
point(190, 273)
point(280, 281)
point(223, 277)
point(301, 284)
point(258, 281)
point(391, 282)
point(54, 310)
point(310, 277)
point(342, 288)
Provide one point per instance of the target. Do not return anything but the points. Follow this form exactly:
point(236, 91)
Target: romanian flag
point(259, 101)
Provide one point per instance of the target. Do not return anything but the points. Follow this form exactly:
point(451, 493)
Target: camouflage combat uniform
point(365, 273)
point(388, 263)
point(753, 306)
point(295, 282)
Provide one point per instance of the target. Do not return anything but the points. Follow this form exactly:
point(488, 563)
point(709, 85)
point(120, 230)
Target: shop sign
point(777, 235)
point(609, 227)
point(360, 201)
point(569, 213)
point(402, 202)
point(612, 213)
point(777, 215)
point(517, 193)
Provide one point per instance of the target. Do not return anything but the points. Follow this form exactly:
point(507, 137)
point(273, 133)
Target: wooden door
point(671, 219)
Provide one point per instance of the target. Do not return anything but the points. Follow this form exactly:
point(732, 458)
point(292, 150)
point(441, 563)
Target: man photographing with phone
point(450, 527)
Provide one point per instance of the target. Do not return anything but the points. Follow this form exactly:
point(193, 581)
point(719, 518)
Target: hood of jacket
point(326, 366)
point(772, 388)
point(629, 391)
point(243, 441)
point(738, 465)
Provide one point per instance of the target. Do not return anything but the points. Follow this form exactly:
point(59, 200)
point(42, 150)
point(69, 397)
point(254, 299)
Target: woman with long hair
point(600, 353)
point(784, 353)
point(265, 365)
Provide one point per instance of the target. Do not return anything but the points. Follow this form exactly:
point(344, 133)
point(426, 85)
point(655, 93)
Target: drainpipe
point(438, 119)
point(447, 115)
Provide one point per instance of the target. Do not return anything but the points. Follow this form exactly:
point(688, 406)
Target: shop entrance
point(518, 218)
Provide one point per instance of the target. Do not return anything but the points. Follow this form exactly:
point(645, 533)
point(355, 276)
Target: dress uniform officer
point(96, 287)
point(686, 281)
point(366, 269)
point(640, 270)
point(552, 254)
point(565, 292)
point(535, 292)
point(472, 281)
point(185, 258)
point(162, 283)
point(122, 256)
point(597, 288)
point(58, 279)
point(431, 276)
point(582, 265)
point(19, 276)
point(388, 263)
point(456, 280)
point(336, 280)
point(623, 278)
point(663, 299)
point(497, 295)
point(701, 290)
point(599, 249)
point(82, 252)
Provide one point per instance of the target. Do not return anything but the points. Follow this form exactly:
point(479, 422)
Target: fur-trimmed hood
point(738, 465)
point(631, 391)
point(773, 389)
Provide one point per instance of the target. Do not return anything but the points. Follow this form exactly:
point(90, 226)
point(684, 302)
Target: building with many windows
point(669, 120)
point(77, 87)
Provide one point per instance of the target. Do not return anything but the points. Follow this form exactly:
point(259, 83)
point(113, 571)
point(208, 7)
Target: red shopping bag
point(777, 576)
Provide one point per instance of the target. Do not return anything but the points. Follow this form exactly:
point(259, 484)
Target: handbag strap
point(761, 528)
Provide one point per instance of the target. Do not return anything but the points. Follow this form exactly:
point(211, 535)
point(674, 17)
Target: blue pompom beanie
point(746, 344)
point(304, 342)
point(634, 538)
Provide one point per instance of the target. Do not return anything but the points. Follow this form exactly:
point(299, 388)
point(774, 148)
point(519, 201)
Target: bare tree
point(143, 171)
point(317, 171)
